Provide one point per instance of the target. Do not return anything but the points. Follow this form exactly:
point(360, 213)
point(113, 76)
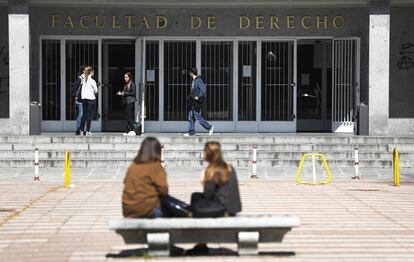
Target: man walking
point(195, 99)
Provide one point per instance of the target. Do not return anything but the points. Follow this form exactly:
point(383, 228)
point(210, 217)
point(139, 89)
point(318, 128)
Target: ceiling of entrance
point(210, 3)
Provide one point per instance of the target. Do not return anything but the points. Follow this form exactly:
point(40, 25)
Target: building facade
point(269, 66)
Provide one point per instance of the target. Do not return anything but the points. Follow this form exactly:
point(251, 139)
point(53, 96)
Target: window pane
point(51, 88)
point(78, 54)
point(217, 70)
point(247, 81)
point(152, 84)
point(4, 65)
point(179, 57)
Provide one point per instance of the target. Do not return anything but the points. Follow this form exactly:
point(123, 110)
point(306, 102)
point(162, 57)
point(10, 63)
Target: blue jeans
point(79, 109)
point(88, 111)
point(193, 116)
point(157, 213)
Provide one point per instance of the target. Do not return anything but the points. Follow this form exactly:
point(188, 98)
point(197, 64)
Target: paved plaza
point(348, 220)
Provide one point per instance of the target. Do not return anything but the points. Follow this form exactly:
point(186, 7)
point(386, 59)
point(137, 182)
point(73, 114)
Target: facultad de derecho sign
point(195, 22)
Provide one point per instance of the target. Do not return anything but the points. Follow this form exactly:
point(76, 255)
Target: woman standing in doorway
point(88, 94)
point(128, 95)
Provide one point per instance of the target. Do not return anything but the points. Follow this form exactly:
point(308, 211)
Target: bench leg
point(158, 244)
point(248, 243)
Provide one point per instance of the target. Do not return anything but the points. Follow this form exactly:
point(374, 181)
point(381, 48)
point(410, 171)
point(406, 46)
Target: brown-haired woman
point(219, 181)
point(145, 182)
point(129, 98)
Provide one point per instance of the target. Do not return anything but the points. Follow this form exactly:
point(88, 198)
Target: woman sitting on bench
point(221, 194)
point(145, 182)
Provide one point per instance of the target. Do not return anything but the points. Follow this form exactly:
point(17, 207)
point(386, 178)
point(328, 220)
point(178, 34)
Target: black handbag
point(202, 208)
point(174, 207)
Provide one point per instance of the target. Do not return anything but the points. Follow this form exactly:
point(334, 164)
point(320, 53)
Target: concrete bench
point(245, 230)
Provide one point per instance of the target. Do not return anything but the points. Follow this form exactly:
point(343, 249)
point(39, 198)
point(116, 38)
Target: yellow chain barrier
point(314, 182)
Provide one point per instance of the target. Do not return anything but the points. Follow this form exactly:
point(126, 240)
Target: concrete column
point(19, 66)
point(379, 60)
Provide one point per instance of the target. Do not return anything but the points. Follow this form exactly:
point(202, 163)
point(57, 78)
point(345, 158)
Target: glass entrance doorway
point(314, 97)
point(253, 85)
point(118, 59)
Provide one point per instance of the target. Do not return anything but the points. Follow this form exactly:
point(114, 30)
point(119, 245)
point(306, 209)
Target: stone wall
point(402, 63)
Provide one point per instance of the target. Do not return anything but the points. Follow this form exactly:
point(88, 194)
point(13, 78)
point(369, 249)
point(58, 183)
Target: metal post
point(396, 167)
point(254, 163)
point(36, 164)
point(356, 164)
point(67, 170)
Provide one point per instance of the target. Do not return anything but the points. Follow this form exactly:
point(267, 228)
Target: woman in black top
point(128, 100)
point(219, 184)
point(219, 181)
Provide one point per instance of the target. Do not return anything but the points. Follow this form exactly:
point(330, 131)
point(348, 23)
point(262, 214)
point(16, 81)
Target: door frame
point(347, 126)
point(64, 125)
point(324, 123)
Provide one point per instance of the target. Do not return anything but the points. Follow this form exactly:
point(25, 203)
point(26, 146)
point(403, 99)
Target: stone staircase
point(106, 150)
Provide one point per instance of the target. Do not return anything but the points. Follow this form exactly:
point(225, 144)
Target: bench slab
point(246, 230)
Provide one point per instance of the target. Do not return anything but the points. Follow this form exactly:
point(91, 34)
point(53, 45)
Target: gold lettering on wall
point(195, 22)
point(338, 22)
point(244, 22)
point(144, 23)
point(290, 21)
point(83, 22)
point(323, 22)
point(211, 22)
point(259, 22)
point(274, 22)
point(54, 20)
point(161, 22)
point(130, 19)
point(115, 22)
point(101, 23)
point(68, 22)
point(304, 23)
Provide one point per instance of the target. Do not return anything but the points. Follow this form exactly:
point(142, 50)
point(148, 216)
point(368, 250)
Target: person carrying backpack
point(194, 103)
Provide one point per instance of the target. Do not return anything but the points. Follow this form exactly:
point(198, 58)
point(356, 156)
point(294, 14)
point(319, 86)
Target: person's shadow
point(180, 252)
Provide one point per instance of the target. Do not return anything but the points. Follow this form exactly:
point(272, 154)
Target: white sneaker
point(187, 134)
point(125, 134)
point(210, 132)
point(88, 133)
point(131, 133)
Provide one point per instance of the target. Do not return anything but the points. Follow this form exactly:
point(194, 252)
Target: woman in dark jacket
point(129, 98)
point(219, 181)
point(219, 184)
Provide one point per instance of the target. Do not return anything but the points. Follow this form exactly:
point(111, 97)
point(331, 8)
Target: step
point(197, 154)
point(225, 138)
point(101, 163)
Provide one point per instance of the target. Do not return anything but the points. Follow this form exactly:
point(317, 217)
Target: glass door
point(278, 89)
point(345, 82)
point(118, 59)
point(314, 91)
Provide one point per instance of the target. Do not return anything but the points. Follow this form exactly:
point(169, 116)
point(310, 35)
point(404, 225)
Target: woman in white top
point(89, 90)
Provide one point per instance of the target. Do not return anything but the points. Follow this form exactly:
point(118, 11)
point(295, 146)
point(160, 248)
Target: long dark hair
point(218, 170)
point(130, 79)
point(149, 152)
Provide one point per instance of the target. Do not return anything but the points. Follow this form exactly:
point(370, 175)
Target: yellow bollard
point(328, 171)
point(67, 169)
point(396, 166)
